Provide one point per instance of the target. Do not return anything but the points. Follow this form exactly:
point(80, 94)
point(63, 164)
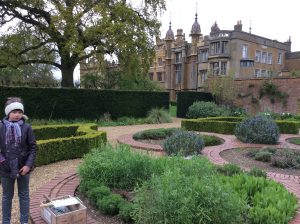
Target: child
point(17, 145)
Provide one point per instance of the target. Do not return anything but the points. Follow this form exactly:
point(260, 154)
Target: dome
point(196, 26)
point(170, 34)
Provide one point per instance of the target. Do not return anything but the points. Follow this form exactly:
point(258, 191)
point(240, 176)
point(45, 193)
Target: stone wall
point(248, 95)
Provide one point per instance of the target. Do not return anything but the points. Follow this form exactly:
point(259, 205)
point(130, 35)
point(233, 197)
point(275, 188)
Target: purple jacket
point(26, 156)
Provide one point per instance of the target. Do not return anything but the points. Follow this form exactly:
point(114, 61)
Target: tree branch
point(33, 47)
point(39, 62)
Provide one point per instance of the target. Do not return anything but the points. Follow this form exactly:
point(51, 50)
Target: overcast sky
point(271, 19)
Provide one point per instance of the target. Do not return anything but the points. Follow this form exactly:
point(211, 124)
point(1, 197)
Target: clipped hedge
point(62, 147)
point(223, 125)
point(54, 131)
point(226, 125)
point(186, 98)
point(288, 127)
point(64, 103)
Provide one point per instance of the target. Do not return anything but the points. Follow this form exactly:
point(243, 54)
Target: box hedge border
point(82, 137)
point(226, 125)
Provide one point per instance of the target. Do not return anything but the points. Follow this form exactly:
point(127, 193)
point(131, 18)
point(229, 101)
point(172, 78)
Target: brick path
point(60, 186)
point(66, 184)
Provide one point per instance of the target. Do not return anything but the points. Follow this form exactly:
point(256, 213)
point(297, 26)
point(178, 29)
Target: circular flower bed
point(280, 160)
point(157, 136)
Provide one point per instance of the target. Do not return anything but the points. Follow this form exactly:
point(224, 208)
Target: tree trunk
point(67, 70)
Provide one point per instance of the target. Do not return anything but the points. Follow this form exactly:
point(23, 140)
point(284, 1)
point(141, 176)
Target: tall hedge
point(186, 98)
point(64, 103)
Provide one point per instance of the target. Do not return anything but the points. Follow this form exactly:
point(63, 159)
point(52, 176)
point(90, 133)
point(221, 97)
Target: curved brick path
point(60, 186)
point(67, 183)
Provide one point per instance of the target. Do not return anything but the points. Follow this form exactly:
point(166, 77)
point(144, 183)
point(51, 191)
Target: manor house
point(180, 65)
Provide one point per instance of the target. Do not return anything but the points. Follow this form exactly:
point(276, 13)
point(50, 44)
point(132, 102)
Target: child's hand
point(24, 170)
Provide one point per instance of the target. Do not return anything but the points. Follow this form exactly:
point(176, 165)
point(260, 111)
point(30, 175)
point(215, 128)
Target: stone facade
point(186, 66)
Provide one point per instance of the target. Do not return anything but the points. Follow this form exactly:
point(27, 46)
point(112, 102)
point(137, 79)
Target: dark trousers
point(8, 194)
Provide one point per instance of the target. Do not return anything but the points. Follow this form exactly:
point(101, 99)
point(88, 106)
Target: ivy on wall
point(270, 90)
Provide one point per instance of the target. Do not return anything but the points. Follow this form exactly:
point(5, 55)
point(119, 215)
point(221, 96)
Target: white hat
point(13, 106)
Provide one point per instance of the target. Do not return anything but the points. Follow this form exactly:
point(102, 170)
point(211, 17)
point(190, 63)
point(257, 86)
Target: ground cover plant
point(283, 158)
point(178, 190)
point(161, 134)
point(270, 159)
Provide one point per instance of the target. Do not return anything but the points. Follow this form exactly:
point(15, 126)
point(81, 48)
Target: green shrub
point(158, 115)
point(186, 98)
point(156, 134)
point(126, 210)
point(263, 156)
point(273, 204)
point(86, 185)
point(202, 109)
point(252, 152)
point(230, 169)
point(183, 143)
point(97, 193)
point(269, 201)
point(271, 150)
point(258, 129)
point(176, 198)
point(110, 204)
point(257, 172)
point(285, 159)
point(117, 168)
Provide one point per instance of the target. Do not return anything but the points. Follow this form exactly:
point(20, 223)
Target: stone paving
point(67, 183)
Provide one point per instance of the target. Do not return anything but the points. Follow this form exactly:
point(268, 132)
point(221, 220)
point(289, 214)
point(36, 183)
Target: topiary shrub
point(201, 109)
point(183, 143)
point(259, 129)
